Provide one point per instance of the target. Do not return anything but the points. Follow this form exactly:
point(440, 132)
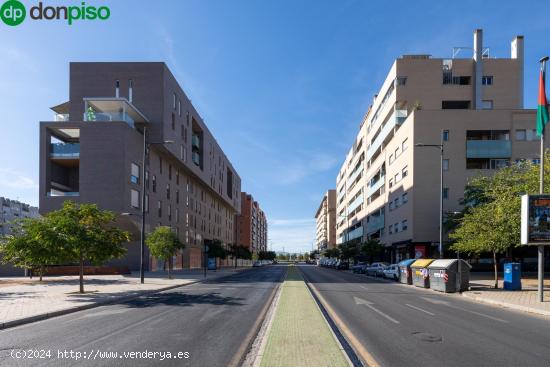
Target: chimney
point(517, 53)
point(478, 67)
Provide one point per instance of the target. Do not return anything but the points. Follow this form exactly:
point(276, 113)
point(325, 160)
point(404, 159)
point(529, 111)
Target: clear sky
point(282, 84)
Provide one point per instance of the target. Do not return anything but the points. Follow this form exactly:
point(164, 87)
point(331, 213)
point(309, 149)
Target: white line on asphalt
point(420, 309)
point(365, 288)
point(382, 313)
point(446, 303)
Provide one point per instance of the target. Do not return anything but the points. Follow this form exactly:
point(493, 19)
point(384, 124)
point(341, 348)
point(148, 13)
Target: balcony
point(64, 150)
point(375, 223)
point(61, 117)
point(195, 141)
point(354, 175)
point(54, 192)
point(356, 233)
point(112, 109)
point(396, 119)
point(488, 149)
point(374, 187)
point(196, 158)
point(355, 204)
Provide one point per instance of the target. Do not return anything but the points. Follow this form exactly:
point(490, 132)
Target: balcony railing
point(68, 150)
point(61, 117)
point(112, 109)
point(62, 193)
point(195, 141)
point(372, 188)
point(375, 223)
point(398, 117)
point(354, 175)
point(355, 203)
point(488, 149)
point(356, 233)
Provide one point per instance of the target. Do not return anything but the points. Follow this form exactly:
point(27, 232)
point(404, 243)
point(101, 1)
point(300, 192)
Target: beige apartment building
point(326, 222)
point(388, 188)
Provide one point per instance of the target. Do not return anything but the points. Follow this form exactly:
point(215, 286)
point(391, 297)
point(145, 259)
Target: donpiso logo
point(13, 12)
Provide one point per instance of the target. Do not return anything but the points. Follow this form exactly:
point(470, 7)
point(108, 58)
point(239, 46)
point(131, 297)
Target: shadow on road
point(183, 299)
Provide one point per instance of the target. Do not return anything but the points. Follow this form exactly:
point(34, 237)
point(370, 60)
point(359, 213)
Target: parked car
point(359, 268)
point(343, 265)
point(377, 269)
point(392, 272)
point(257, 263)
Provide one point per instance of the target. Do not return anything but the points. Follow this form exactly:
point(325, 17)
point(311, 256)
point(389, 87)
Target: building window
point(390, 205)
point(134, 198)
point(405, 144)
point(169, 171)
point(396, 227)
point(404, 225)
point(401, 80)
point(169, 212)
point(160, 165)
point(445, 165)
point(391, 158)
point(154, 179)
point(147, 179)
point(390, 229)
point(445, 136)
point(521, 135)
point(397, 177)
point(531, 135)
point(146, 203)
point(177, 178)
point(174, 98)
point(159, 209)
point(445, 193)
point(177, 215)
point(487, 80)
point(405, 198)
point(397, 152)
point(168, 191)
point(179, 107)
point(390, 183)
point(455, 105)
point(173, 121)
point(177, 196)
point(405, 171)
point(487, 104)
point(134, 176)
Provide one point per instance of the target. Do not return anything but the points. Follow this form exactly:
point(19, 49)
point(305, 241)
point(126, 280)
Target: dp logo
point(13, 12)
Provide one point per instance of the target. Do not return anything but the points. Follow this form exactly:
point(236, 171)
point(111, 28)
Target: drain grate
point(427, 337)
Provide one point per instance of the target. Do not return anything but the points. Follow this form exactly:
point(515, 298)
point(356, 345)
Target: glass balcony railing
point(356, 233)
point(195, 141)
point(398, 117)
point(69, 150)
point(488, 149)
point(355, 203)
point(375, 223)
point(354, 175)
point(112, 109)
point(372, 188)
point(62, 193)
point(61, 117)
point(108, 116)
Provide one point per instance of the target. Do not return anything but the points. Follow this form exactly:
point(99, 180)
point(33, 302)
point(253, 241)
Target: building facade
point(325, 218)
point(11, 210)
point(93, 150)
point(251, 230)
point(388, 187)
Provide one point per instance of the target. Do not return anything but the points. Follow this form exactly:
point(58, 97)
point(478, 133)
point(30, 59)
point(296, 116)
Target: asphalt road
point(408, 326)
point(211, 321)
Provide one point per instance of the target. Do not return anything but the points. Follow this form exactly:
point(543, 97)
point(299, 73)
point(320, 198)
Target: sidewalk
point(23, 300)
point(299, 334)
point(481, 290)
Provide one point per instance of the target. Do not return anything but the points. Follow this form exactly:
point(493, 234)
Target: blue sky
point(282, 84)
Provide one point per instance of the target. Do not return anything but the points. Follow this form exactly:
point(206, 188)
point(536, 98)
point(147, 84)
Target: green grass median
point(299, 335)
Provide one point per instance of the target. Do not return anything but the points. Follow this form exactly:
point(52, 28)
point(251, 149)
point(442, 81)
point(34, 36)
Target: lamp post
point(440, 147)
point(146, 145)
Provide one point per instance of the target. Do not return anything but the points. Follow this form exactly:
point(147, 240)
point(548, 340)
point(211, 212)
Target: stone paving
point(299, 335)
point(22, 298)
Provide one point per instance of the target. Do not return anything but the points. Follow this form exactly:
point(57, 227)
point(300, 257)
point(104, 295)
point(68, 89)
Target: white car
point(391, 272)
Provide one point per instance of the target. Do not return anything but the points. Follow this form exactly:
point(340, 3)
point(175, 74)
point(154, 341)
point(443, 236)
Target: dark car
point(343, 265)
point(359, 268)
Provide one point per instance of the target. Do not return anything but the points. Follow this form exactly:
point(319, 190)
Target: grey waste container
point(444, 275)
point(405, 273)
point(420, 276)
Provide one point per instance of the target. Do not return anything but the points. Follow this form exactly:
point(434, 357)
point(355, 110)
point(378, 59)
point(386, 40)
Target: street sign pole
point(541, 189)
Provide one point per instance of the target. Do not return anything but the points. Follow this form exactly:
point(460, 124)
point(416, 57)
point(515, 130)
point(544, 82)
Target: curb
point(48, 315)
point(506, 305)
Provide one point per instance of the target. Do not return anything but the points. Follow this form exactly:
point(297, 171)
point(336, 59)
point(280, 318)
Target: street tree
point(239, 252)
point(371, 249)
point(332, 252)
point(164, 244)
point(32, 244)
point(216, 249)
point(349, 250)
point(86, 233)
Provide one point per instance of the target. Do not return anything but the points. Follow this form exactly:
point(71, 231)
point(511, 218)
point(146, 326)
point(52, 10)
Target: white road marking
point(441, 302)
point(420, 309)
point(365, 288)
point(360, 301)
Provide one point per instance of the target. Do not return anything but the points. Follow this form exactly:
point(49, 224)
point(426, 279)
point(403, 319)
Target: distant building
point(388, 187)
point(326, 222)
point(251, 229)
point(12, 210)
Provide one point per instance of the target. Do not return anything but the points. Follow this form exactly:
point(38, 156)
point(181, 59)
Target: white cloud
point(311, 163)
point(16, 180)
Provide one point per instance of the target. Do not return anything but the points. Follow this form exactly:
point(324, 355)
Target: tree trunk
point(41, 272)
point(496, 269)
point(235, 261)
point(170, 268)
point(81, 273)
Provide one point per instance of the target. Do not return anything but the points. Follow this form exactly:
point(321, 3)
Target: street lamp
point(146, 146)
point(440, 147)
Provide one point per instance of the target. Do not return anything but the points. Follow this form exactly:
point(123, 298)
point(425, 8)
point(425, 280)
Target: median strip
point(299, 334)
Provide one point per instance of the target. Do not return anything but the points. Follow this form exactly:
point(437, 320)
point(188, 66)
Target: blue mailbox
point(512, 276)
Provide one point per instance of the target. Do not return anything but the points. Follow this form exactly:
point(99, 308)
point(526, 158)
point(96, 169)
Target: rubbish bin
point(449, 275)
point(512, 276)
point(420, 276)
point(405, 273)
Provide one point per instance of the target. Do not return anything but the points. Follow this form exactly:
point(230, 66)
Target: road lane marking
point(357, 346)
point(446, 303)
point(365, 288)
point(420, 309)
point(360, 301)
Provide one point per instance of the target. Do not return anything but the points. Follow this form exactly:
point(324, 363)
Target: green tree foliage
point(371, 249)
point(86, 233)
point(313, 254)
point(349, 250)
point(32, 244)
point(490, 221)
point(332, 252)
point(239, 252)
point(267, 255)
point(164, 244)
point(216, 249)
